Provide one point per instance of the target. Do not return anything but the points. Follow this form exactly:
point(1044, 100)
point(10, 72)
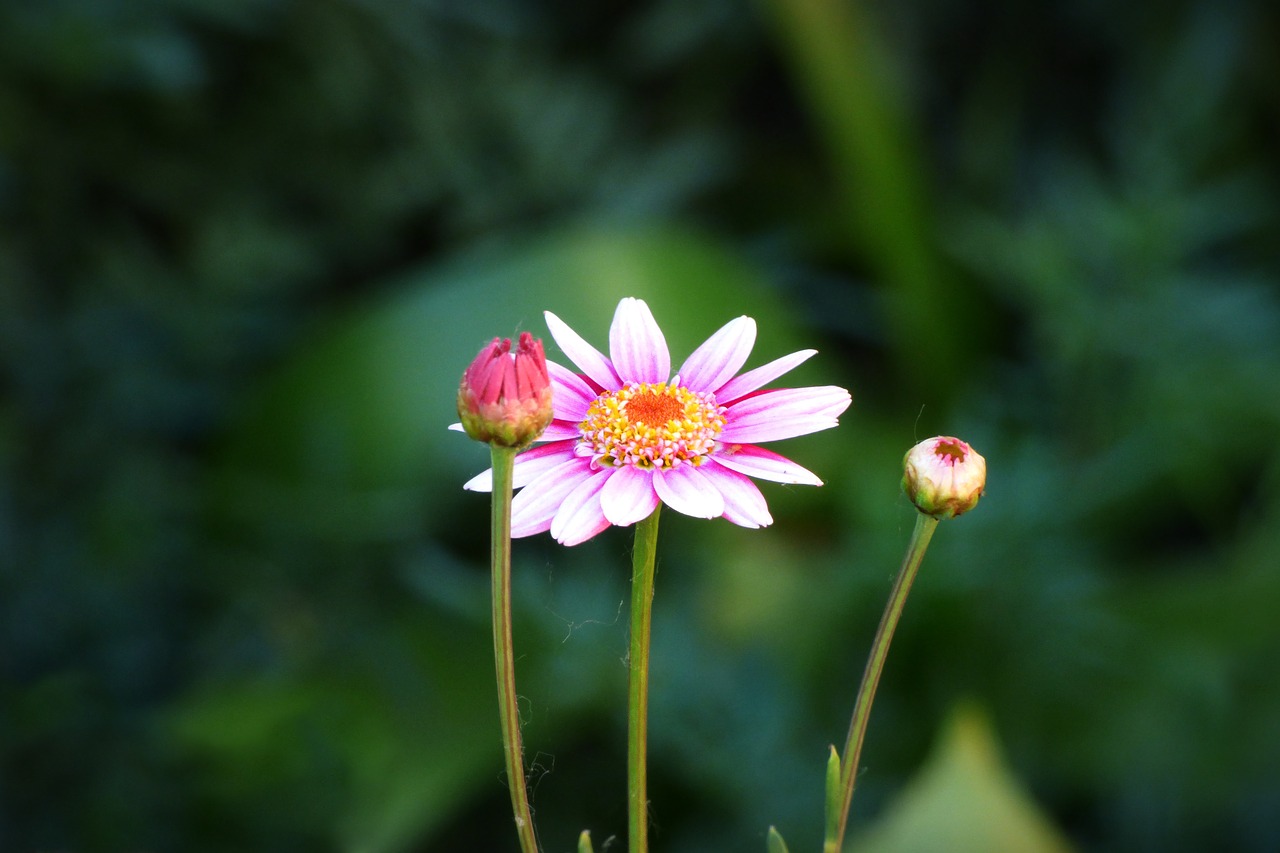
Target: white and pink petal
point(764, 464)
point(761, 376)
point(636, 344)
point(559, 430)
point(686, 490)
point(530, 464)
point(591, 361)
point(628, 496)
point(571, 396)
point(744, 505)
point(720, 357)
point(783, 413)
point(534, 507)
point(580, 516)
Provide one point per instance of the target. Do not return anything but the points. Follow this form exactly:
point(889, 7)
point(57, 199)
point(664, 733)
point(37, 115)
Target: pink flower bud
point(944, 476)
point(505, 396)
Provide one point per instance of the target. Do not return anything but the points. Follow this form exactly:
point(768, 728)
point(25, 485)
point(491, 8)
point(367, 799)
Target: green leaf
point(584, 842)
point(775, 842)
point(964, 800)
point(835, 799)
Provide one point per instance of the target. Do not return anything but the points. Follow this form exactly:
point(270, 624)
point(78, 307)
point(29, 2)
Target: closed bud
point(944, 476)
point(505, 396)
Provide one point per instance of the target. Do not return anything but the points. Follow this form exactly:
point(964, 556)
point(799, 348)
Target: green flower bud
point(944, 476)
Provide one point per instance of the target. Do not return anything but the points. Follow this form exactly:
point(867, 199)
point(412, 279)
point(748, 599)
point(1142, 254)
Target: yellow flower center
point(651, 425)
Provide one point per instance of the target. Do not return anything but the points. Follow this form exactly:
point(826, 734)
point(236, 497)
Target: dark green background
point(247, 248)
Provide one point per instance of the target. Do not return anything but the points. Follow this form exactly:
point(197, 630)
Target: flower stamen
point(651, 425)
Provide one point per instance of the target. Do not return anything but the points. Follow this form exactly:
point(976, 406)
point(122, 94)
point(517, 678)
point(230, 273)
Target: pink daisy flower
point(628, 434)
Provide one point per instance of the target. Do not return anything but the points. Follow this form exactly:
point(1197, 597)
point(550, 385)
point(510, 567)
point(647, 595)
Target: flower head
point(944, 476)
point(629, 434)
point(505, 397)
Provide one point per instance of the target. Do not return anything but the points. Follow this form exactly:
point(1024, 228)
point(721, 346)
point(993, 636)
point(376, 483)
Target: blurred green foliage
point(247, 248)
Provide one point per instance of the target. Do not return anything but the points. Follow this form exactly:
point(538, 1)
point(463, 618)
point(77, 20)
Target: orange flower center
point(651, 425)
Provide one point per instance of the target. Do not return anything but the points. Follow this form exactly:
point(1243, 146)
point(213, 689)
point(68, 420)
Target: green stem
point(875, 665)
point(642, 572)
point(503, 656)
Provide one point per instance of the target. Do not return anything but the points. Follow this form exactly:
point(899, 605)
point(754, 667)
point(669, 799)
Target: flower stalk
point(920, 537)
point(504, 400)
point(503, 654)
point(643, 561)
point(944, 477)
